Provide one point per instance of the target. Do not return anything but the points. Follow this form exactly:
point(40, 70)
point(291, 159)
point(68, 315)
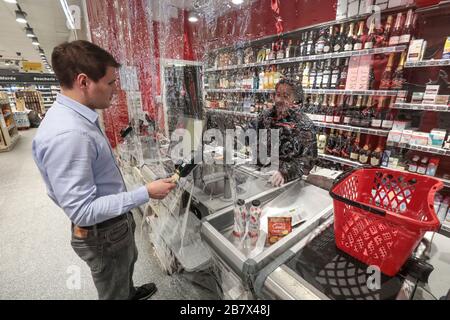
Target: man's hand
point(160, 189)
point(277, 179)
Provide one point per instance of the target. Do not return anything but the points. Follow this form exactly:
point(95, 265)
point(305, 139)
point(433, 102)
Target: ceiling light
point(35, 41)
point(7, 63)
point(237, 1)
point(68, 14)
point(30, 32)
point(20, 16)
point(192, 17)
point(10, 1)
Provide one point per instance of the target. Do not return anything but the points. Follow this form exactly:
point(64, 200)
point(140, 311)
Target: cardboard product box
point(417, 97)
point(353, 8)
point(416, 50)
point(363, 80)
point(446, 53)
point(400, 125)
point(432, 89)
point(352, 75)
point(406, 136)
point(442, 99)
point(437, 137)
point(383, 4)
point(341, 10)
point(394, 136)
point(420, 138)
point(365, 6)
point(395, 3)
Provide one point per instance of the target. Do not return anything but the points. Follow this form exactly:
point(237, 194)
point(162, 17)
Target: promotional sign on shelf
point(30, 66)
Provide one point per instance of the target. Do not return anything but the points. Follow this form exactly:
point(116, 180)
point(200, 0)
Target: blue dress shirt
point(78, 166)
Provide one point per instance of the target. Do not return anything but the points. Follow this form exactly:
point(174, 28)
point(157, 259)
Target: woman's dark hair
point(69, 59)
point(296, 88)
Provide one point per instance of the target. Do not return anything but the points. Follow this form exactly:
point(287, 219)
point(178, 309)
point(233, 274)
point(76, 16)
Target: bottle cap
point(240, 202)
point(256, 203)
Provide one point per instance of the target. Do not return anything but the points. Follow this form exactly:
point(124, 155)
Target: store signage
point(27, 78)
point(29, 66)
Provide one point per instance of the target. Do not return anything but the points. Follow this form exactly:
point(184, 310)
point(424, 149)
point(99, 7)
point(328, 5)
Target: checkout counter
point(193, 227)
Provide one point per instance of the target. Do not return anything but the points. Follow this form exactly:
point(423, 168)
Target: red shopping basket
point(381, 215)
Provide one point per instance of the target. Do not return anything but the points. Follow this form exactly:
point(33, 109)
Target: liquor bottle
point(338, 115)
point(299, 75)
point(255, 79)
point(358, 45)
point(350, 38)
point(320, 43)
point(276, 75)
point(314, 108)
point(329, 110)
point(367, 113)
point(386, 33)
point(386, 78)
point(310, 43)
point(340, 39)
point(331, 143)
point(377, 118)
point(398, 80)
point(280, 51)
point(326, 81)
point(319, 76)
point(356, 115)
point(335, 74)
point(261, 77)
point(364, 153)
point(354, 154)
point(329, 41)
point(348, 111)
point(321, 109)
point(183, 168)
point(303, 44)
point(376, 155)
point(371, 37)
point(343, 75)
point(267, 78)
point(388, 121)
point(407, 33)
point(397, 32)
point(347, 149)
point(305, 78)
point(312, 76)
point(291, 50)
point(321, 141)
point(339, 145)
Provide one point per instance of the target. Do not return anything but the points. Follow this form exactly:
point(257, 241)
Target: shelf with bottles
point(234, 113)
point(422, 107)
point(340, 160)
point(428, 149)
point(240, 90)
point(325, 56)
point(375, 132)
point(427, 63)
point(385, 93)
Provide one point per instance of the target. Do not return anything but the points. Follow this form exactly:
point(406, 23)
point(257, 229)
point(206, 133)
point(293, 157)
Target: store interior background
point(146, 36)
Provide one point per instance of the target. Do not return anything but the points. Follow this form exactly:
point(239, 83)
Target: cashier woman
point(298, 146)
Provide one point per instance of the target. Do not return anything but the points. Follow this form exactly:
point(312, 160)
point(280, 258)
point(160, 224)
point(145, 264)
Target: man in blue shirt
point(81, 174)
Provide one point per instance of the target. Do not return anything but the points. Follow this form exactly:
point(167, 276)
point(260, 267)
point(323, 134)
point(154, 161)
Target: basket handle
point(335, 196)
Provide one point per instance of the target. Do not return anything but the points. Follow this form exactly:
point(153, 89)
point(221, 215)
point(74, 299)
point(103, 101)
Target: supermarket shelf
point(445, 181)
point(240, 90)
point(419, 106)
point(324, 56)
point(375, 132)
point(236, 113)
point(429, 149)
point(11, 127)
point(385, 93)
point(14, 140)
point(339, 160)
point(427, 63)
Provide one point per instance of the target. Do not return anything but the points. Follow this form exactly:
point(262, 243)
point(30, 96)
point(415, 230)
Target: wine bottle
point(335, 74)
point(326, 81)
point(338, 115)
point(356, 116)
point(388, 121)
point(397, 32)
point(377, 118)
point(331, 142)
point(398, 80)
point(386, 78)
point(280, 51)
point(329, 40)
point(305, 78)
point(350, 38)
point(364, 153)
point(386, 33)
point(321, 107)
point(354, 154)
point(319, 76)
point(407, 33)
point(313, 75)
point(320, 43)
point(321, 141)
point(367, 113)
point(343, 75)
point(183, 168)
point(347, 149)
point(329, 110)
point(376, 155)
point(359, 40)
point(310, 43)
point(348, 111)
point(371, 37)
point(339, 42)
point(339, 145)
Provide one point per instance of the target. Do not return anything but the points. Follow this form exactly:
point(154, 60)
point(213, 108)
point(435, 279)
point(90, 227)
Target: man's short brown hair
point(69, 59)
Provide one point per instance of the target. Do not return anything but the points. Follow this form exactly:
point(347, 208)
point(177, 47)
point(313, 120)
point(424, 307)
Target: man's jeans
point(111, 254)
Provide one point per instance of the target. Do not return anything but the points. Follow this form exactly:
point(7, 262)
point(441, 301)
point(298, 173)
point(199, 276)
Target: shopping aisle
point(36, 259)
